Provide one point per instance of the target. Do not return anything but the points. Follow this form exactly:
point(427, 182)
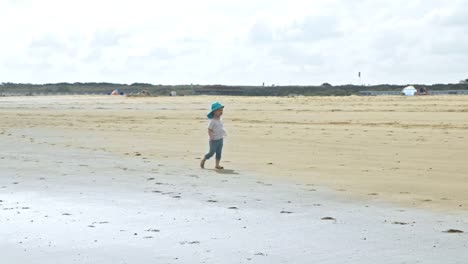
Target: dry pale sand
point(400, 149)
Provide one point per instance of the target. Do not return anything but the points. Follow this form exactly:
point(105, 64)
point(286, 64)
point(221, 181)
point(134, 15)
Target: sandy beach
point(97, 179)
point(406, 150)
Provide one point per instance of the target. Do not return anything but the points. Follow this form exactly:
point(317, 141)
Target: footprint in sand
point(189, 242)
point(264, 184)
point(233, 208)
point(101, 223)
point(373, 194)
point(286, 212)
point(328, 218)
point(402, 223)
point(212, 201)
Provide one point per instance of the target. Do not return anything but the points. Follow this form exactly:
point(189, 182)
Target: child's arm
point(211, 133)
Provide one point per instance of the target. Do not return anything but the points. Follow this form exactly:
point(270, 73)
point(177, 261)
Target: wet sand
point(409, 151)
point(62, 204)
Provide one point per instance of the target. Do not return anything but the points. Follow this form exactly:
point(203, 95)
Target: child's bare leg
point(202, 163)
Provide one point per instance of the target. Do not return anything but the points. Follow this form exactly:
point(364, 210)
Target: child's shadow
point(223, 171)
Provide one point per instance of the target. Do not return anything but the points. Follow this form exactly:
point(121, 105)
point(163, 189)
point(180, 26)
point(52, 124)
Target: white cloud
point(234, 42)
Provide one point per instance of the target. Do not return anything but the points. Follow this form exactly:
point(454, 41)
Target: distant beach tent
point(409, 91)
point(115, 92)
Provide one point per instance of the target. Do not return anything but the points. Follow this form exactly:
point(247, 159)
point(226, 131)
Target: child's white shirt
point(216, 125)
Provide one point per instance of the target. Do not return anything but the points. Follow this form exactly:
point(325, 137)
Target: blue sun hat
point(215, 106)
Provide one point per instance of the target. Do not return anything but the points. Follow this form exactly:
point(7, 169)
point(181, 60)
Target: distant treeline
point(106, 88)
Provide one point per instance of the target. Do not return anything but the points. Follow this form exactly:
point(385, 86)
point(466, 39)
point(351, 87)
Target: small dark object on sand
point(328, 218)
point(400, 223)
point(454, 231)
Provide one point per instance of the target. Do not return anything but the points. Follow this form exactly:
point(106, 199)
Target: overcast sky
point(234, 42)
